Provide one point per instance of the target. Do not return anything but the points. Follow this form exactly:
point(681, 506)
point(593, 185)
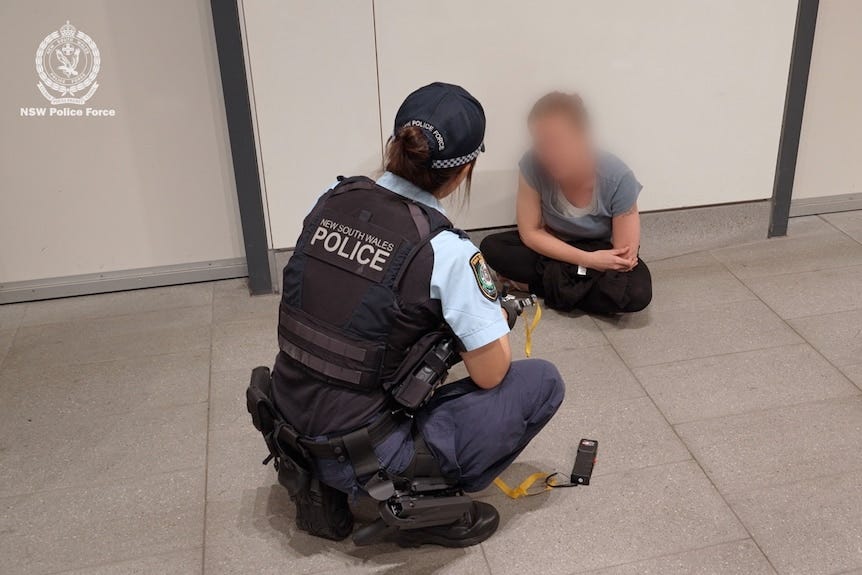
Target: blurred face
point(561, 147)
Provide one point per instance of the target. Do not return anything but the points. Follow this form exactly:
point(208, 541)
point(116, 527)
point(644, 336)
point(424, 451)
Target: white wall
point(150, 187)
point(830, 146)
point(315, 87)
point(690, 94)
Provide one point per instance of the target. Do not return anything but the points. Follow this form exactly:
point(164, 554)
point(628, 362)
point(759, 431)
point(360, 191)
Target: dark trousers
point(477, 433)
point(509, 257)
point(473, 433)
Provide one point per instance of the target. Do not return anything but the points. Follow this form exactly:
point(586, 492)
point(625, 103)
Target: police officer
point(378, 266)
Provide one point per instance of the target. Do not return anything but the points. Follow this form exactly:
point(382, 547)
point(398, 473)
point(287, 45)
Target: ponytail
point(408, 156)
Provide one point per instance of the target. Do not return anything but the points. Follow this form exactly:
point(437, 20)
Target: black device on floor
point(584, 461)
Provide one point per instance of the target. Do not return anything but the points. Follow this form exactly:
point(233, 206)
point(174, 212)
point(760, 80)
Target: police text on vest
point(353, 244)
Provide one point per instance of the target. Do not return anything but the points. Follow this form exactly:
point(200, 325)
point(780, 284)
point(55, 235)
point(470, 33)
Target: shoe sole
point(406, 540)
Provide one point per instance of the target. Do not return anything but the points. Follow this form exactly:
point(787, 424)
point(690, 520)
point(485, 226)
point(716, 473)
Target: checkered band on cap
point(459, 161)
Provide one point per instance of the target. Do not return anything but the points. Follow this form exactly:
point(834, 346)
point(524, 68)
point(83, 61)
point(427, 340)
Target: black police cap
point(451, 119)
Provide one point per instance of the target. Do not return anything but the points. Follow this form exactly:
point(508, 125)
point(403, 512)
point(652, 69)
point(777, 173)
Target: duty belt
point(338, 447)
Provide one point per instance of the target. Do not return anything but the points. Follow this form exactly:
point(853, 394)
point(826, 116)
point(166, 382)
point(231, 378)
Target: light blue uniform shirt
point(474, 318)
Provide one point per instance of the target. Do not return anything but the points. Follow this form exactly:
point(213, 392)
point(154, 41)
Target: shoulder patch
point(483, 276)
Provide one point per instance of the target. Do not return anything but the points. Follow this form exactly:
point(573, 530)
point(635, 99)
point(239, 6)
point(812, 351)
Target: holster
point(321, 510)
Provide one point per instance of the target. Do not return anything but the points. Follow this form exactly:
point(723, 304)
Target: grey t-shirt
point(617, 190)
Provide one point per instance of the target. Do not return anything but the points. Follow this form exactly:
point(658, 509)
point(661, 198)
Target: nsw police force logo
point(67, 63)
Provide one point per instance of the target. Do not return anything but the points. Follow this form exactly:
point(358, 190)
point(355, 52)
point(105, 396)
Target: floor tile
point(97, 525)
point(810, 527)
point(43, 452)
point(854, 372)
point(632, 434)
point(759, 449)
point(618, 519)
point(227, 395)
point(6, 337)
point(593, 375)
point(837, 336)
point(689, 281)
point(257, 534)
point(678, 232)
point(235, 448)
point(683, 262)
point(740, 382)
point(110, 387)
point(232, 302)
point(803, 226)
point(803, 250)
point(185, 562)
point(104, 339)
point(556, 331)
point(235, 453)
point(244, 344)
point(11, 315)
point(653, 337)
point(739, 558)
point(394, 561)
point(848, 222)
point(118, 303)
point(811, 293)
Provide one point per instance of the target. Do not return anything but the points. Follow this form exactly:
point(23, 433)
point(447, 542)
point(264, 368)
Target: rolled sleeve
point(473, 316)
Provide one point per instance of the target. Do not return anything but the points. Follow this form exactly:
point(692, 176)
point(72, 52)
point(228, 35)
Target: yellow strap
point(523, 489)
point(529, 328)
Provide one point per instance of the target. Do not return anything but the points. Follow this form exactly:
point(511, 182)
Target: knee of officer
point(544, 380)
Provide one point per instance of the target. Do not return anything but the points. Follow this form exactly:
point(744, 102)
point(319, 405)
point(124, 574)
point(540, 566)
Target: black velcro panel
point(342, 360)
point(320, 365)
point(322, 340)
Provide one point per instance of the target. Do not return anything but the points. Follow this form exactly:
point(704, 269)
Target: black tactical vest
point(356, 297)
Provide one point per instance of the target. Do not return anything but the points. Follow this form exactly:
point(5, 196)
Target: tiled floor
point(729, 416)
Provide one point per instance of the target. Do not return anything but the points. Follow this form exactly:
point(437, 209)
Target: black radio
point(584, 461)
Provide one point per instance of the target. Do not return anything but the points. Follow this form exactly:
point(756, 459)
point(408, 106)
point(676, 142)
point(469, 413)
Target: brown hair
point(408, 156)
point(568, 105)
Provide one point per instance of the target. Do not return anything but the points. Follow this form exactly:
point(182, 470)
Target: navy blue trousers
point(474, 433)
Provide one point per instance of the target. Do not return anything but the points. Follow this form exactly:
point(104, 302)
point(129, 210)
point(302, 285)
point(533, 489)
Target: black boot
point(321, 510)
point(473, 528)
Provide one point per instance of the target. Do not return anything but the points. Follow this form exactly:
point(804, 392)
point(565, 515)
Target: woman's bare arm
point(533, 233)
point(626, 233)
point(532, 230)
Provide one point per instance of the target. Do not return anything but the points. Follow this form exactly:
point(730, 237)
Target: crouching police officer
point(381, 297)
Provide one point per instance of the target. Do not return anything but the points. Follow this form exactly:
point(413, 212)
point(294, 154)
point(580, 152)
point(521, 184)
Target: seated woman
point(578, 224)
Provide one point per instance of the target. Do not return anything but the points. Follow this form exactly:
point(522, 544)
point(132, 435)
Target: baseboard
point(825, 205)
point(49, 288)
point(85, 284)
